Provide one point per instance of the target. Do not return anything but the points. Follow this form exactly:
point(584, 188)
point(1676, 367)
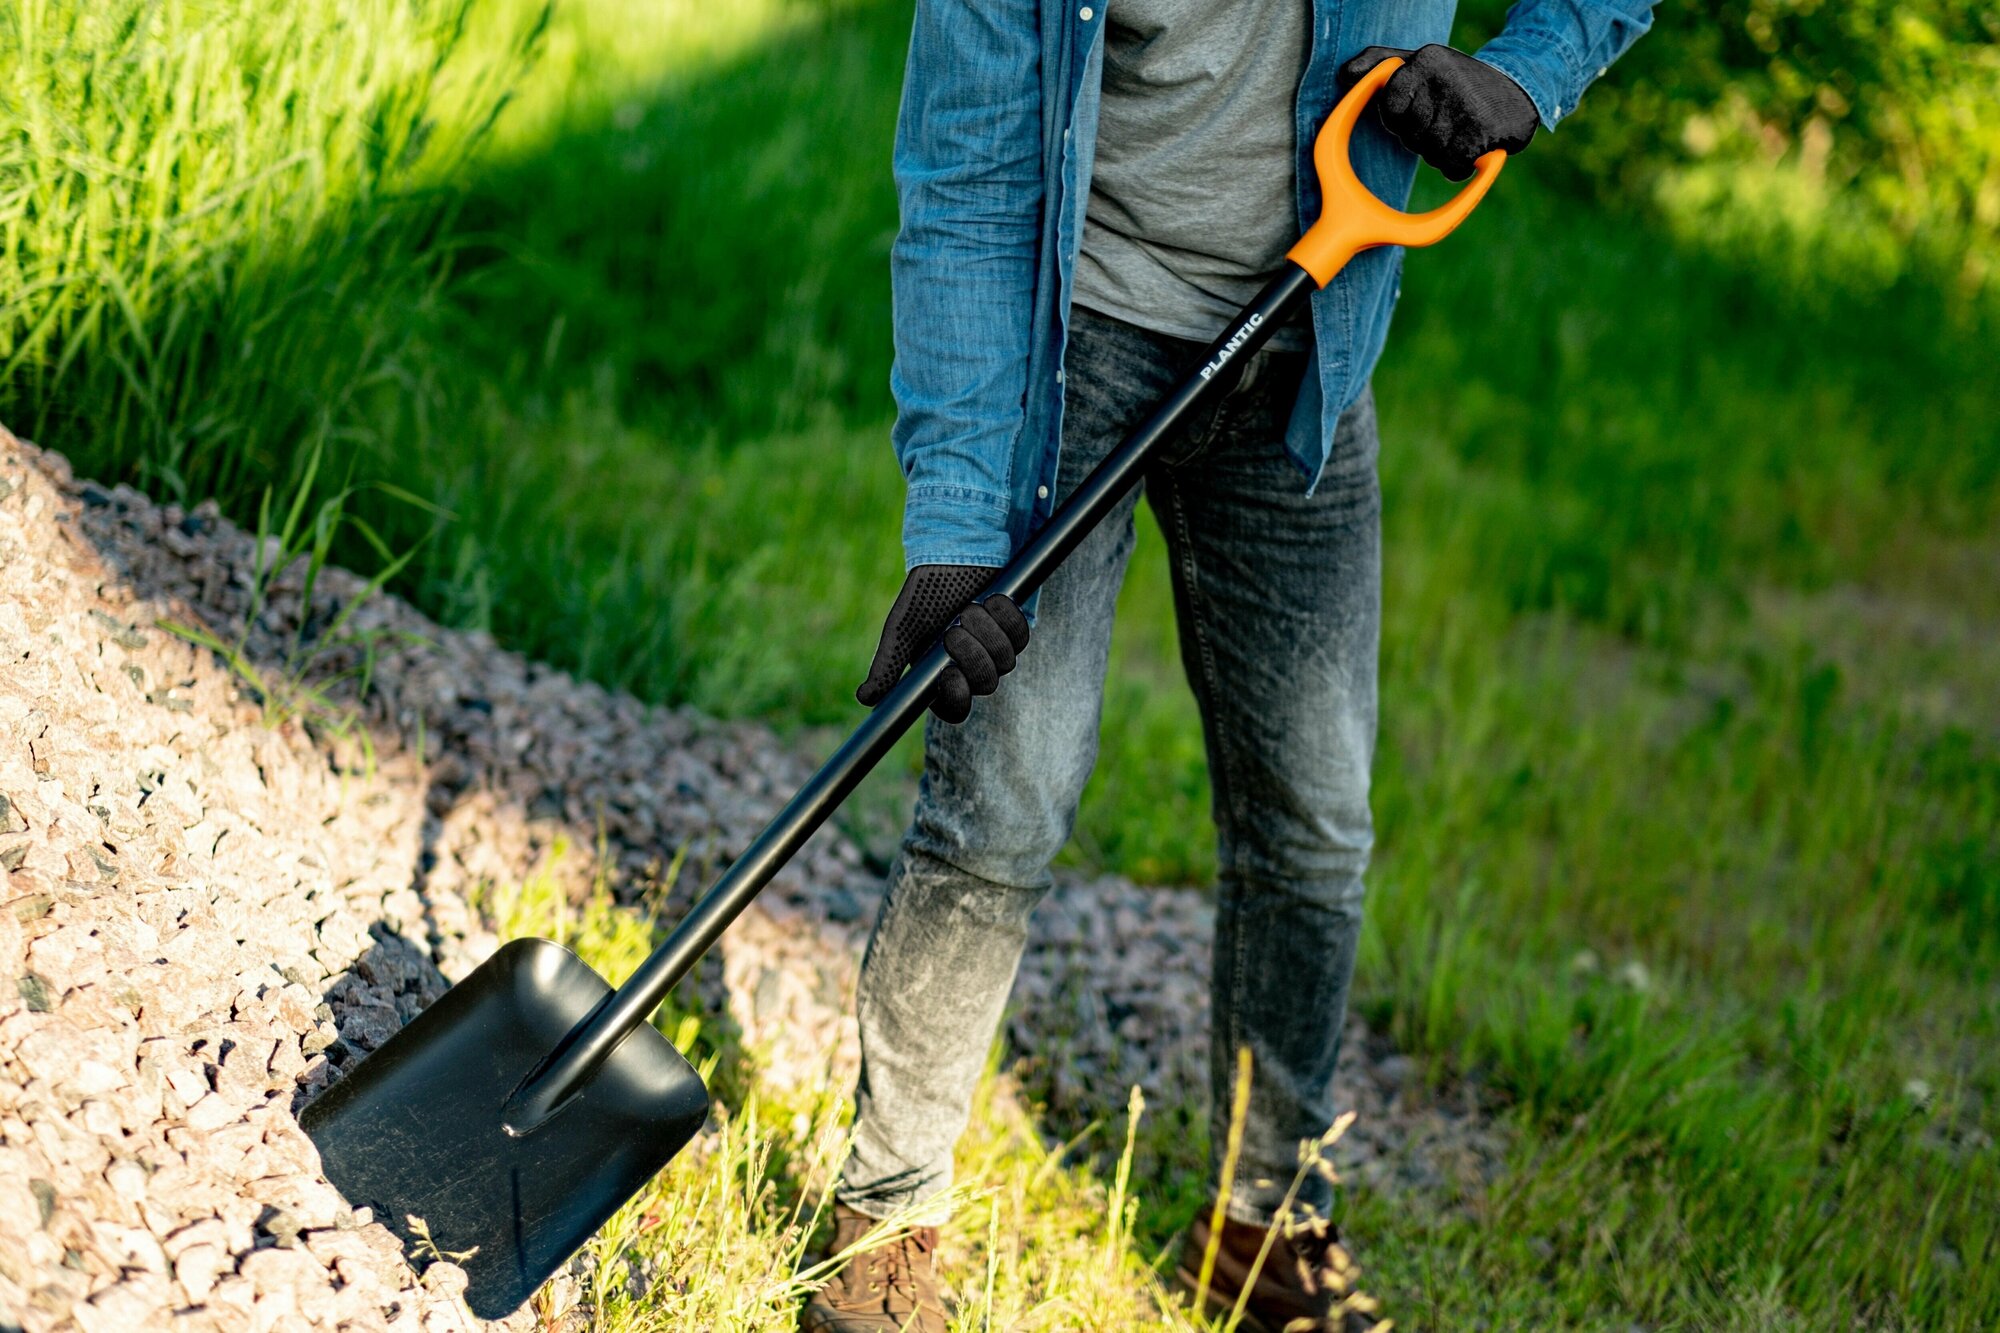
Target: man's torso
point(1191, 202)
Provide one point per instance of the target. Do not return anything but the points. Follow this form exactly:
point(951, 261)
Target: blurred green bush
point(1853, 143)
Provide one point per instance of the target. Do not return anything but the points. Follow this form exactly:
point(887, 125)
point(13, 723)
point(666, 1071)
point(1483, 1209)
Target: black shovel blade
point(415, 1130)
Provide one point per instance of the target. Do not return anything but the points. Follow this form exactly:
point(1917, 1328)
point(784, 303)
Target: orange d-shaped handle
point(1351, 219)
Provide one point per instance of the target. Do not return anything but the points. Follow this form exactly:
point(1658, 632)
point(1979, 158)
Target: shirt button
point(1041, 492)
point(1086, 13)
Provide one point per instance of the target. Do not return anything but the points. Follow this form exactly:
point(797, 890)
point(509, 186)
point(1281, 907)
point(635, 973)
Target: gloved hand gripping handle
point(1351, 220)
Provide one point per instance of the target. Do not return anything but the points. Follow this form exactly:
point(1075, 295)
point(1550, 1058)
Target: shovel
point(517, 1113)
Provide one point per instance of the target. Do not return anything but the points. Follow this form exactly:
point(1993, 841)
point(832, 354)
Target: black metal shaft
point(593, 1039)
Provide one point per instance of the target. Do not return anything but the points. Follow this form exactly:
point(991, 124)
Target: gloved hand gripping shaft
point(983, 638)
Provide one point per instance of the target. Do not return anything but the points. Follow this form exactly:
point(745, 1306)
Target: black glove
point(1447, 107)
point(981, 637)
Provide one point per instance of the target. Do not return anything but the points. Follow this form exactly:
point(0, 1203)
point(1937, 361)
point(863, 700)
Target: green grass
point(1689, 784)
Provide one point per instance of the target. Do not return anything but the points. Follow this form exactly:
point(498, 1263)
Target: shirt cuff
point(955, 525)
point(1542, 63)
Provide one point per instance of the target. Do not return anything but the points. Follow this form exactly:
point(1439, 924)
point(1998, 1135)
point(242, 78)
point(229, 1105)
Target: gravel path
point(204, 919)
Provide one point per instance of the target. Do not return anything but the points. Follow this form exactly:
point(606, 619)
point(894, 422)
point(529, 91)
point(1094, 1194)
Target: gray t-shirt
point(1192, 202)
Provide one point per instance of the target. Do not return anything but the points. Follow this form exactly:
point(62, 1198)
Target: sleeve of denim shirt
point(1555, 48)
point(968, 167)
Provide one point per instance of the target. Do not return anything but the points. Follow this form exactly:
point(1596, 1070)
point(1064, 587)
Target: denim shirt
point(992, 162)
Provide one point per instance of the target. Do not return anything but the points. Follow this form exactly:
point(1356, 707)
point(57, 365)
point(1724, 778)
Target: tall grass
point(222, 226)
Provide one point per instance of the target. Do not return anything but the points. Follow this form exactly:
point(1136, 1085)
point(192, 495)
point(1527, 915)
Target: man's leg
point(996, 804)
point(1278, 594)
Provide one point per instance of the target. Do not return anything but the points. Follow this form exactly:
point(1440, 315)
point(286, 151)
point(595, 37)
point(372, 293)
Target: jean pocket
point(1196, 433)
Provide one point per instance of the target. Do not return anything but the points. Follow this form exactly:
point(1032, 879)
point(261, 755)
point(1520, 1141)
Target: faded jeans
point(1277, 595)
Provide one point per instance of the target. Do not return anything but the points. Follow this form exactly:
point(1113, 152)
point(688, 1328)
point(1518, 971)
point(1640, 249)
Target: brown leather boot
point(889, 1289)
point(1306, 1283)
